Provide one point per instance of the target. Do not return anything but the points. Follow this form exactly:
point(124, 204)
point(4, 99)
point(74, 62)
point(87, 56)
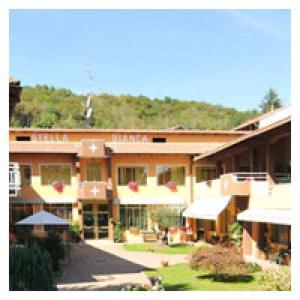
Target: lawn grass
point(172, 249)
point(181, 277)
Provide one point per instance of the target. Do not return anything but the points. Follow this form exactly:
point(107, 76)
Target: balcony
point(92, 190)
point(244, 184)
point(14, 179)
point(92, 149)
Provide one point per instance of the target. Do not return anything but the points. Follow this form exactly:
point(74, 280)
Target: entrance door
point(95, 221)
point(89, 225)
point(102, 225)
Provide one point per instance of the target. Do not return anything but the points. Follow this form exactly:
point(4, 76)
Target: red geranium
point(58, 186)
point(171, 186)
point(134, 186)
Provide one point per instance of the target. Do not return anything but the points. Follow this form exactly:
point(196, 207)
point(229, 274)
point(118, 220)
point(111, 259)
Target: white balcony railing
point(14, 179)
point(250, 176)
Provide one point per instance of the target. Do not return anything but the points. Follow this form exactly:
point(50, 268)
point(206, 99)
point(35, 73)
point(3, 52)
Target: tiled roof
point(162, 148)
point(140, 131)
point(243, 138)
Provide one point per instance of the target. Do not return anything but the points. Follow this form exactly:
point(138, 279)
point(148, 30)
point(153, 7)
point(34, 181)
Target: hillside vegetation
point(42, 106)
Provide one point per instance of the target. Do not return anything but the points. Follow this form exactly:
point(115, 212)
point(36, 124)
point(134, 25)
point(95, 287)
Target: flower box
point(171, 186)
point(134, 186)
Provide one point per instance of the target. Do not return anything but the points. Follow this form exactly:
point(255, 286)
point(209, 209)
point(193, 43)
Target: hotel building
point(212, 178)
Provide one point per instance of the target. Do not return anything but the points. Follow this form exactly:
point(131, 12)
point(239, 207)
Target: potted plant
point(133, 186)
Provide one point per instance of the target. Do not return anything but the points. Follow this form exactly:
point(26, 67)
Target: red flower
point(134, 186)
point(58, 186)
point(172, 186)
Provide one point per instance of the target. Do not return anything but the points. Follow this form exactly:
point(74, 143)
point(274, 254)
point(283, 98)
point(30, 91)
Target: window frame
point(56, 164)
point(31, 168)
point(95, 163)
point(201, 166)
point(278, 241)
point(132, 166)
point(171, 166)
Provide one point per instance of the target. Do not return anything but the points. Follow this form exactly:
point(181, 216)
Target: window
point(23, 138)
point(168, 173)
point(133, 216)
point(25, 171)
point(128, 174)
point(206, 173)
point(93, 172)
point(61, 210)
point(212, 225)
point(158, 140)
point(281, 234)
point(52, 173)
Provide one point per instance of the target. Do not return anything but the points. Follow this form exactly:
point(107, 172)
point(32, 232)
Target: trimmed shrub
point(222, 261)
point(276, 280)
point(117, 232)
point(30, 269)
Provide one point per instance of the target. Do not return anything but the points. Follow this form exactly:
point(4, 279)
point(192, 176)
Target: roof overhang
point(151, 201)
point(274, 216)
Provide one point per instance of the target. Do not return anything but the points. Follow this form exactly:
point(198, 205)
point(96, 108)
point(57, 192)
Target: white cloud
point(255, 23)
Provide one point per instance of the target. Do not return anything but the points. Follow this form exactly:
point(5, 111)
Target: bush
point(75, 231)
point(276, 280)
point(252, 267)
point(117, 232)
point(23, 234)
point(222, 261)
point(54, 246)
point(30, 269)
point(235, 232)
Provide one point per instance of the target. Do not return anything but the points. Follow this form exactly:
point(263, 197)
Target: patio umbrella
point(43, 218)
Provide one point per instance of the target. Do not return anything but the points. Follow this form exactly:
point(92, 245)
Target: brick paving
point(103, 265)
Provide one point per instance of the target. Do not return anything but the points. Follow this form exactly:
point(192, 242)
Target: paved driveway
point(102, 265)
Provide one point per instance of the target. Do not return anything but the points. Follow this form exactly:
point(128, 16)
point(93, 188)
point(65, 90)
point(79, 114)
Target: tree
point(165, 217)
point(270, 101)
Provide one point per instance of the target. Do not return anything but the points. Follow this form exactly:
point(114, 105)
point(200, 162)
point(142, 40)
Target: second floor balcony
point(245, 183)
point(14, 179)
point(93, 190)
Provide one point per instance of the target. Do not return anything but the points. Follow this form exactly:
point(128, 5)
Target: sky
point(226, 57)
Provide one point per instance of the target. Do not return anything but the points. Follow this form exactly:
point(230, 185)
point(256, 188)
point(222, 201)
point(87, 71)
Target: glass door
point(89, 225)
point(102, 225)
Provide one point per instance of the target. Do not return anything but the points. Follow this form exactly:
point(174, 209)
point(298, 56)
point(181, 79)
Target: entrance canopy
point(207, 208)
point(43, 218)
point(275, 216)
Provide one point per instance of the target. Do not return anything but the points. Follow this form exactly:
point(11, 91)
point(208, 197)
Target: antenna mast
point(89, 102)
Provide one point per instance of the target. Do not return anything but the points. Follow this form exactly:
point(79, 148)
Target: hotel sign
point(49, 137)
point(120, 138)
point(130, 138)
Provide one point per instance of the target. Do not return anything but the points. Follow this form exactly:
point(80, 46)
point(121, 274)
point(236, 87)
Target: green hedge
point(30, 269)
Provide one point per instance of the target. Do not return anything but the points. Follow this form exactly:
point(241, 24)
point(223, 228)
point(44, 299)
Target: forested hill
point(47, 107)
